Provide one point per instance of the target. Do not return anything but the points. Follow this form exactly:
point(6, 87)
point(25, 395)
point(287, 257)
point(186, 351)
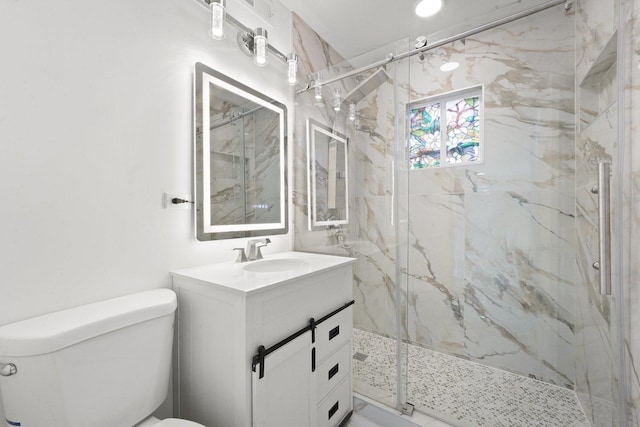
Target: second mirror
point(327, 166)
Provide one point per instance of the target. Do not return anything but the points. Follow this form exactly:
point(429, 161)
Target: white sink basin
point(279, 268)
point(276, 265)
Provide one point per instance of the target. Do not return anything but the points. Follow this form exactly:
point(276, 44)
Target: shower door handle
point(603, 265)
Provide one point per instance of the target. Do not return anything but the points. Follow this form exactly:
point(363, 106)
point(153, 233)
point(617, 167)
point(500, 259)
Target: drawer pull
point(333, 410)
point(333, 371)
point(334, 332)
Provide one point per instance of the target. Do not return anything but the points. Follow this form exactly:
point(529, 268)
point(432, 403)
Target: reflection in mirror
point(240, 159)
point(327, 165)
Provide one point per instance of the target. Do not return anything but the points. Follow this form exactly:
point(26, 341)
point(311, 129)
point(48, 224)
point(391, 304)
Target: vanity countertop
point(253, 276)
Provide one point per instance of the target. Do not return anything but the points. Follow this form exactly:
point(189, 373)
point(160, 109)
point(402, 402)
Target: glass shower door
point(601, 152)
point(503, 302)
point(476, 299)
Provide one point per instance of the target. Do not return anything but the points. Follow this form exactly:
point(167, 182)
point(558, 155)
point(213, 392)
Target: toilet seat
point(175, 422)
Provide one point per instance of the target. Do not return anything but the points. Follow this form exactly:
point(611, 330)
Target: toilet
point(105, 364)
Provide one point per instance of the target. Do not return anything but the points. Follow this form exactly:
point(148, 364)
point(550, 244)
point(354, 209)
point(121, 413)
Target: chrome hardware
point(603, 265)
point(258, 253)
point(253, 248)
point(241, 256)
point(8, 369)
point(568, 5)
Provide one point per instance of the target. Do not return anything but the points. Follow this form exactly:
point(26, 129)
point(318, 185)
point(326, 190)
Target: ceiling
point(354, 27)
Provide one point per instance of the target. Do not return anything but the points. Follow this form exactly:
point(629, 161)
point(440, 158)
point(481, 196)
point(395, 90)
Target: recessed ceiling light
point(449, 66)
point(428, 7)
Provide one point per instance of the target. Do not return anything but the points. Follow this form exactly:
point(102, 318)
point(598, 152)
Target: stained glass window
point(458, 142)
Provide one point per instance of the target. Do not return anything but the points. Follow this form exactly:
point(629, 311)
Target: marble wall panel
point(599, 339)
point(596, 22)
point(529, 172)
point(531, 175)
point(314, 54)
point(371, 146)
point(632, 200)
point(632, 342)
point(514, 276)
point(529, 129)
point(370, 235)
point(435, 267)
point(517, 275)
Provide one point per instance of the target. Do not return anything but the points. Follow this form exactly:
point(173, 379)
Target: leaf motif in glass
point(424, 136)
point(463, 130)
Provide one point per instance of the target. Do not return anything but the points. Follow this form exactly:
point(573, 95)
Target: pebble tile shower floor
point(461, 392)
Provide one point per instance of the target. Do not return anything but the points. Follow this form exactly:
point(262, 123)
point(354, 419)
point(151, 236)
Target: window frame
point(442, 99)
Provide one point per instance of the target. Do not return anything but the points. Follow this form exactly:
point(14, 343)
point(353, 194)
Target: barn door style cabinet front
point(265, 348)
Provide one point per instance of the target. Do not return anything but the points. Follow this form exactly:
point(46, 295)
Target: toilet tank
point(105, 364)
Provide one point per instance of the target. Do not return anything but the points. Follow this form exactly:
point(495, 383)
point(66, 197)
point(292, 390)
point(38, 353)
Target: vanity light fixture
point(317, 91)
point(336, 102)
point(260, 43)
point(292, 69)
point(352, 111)
point(427, 8)
point(252, 43)
point(218, 11)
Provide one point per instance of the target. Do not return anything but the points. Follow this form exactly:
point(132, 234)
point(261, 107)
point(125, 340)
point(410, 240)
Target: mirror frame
point(203, 77)
point(314, 223)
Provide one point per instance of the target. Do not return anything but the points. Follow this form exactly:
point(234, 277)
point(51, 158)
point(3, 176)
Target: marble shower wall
point(631, 200)
point(490, 262)
point(314, 55)
point(599, 339)
point(492, 272)
point(380, 202)
point(491, 259)
point(370, 235)
point(490, 265)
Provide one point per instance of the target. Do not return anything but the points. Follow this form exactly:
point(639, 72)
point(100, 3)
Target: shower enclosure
point(478, 216)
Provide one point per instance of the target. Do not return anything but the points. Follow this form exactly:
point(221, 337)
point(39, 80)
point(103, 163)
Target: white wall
point(95, 124)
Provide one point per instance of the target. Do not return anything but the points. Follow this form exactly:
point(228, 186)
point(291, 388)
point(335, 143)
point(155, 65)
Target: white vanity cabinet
point(227, 311)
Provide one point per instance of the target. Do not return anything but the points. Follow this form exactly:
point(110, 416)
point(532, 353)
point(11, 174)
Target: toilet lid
point(175, 422)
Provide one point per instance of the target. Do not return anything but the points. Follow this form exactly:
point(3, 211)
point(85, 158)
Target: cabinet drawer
point(333, 333)
point(333, 370)
point(334, 408)
point(280, 312)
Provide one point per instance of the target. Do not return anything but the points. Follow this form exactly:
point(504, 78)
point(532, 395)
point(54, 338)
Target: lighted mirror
point(327, 165)
point(240, 159)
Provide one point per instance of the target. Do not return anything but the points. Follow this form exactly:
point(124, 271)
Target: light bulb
point(337, 99)
point(352, 112)
point(260, 47)
point(428, 7)
point(449, 66)
point(217, 19)
point(316, 82)
point(292, 69)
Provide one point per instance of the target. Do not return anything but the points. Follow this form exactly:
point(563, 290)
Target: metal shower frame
point(391, 58)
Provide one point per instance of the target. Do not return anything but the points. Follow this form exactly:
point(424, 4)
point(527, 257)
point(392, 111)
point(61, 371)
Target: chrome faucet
point(253, 248)
point(241, 256)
